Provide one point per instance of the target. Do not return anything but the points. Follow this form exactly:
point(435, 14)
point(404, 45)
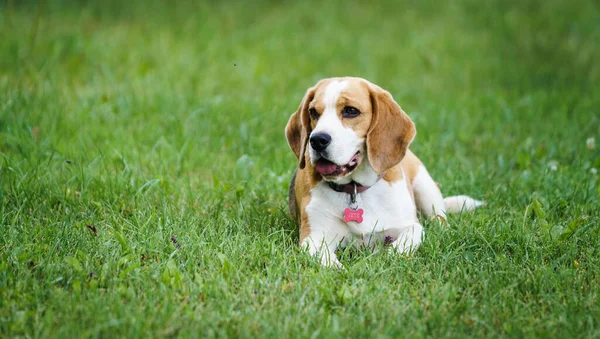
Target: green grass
point(144, 169)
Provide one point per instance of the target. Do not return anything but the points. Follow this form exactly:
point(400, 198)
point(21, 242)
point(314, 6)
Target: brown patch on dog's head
point(356, 95)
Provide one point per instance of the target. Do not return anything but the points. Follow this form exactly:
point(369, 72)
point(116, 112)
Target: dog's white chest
point(386, 207)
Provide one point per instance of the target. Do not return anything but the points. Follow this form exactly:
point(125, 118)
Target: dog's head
point(342, 122)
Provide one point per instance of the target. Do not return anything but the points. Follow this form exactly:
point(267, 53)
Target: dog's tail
point(460, 203)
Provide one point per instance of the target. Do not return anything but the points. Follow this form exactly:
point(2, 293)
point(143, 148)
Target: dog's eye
point(313, 113)
point(350, 112)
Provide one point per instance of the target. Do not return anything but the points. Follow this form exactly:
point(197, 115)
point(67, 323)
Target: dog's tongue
point(325, 167)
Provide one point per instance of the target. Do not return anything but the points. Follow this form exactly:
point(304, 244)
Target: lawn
point(144, 168)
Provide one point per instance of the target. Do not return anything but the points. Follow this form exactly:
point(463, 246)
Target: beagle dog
point(356, 181)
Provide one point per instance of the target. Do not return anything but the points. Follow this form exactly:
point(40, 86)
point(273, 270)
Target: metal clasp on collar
point(353, 203)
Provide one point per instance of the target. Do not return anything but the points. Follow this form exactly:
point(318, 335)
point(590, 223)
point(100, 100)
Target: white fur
point(363, 174)
point(459, 203)
point(388, 209)
point(428, 197)
point(344, 141)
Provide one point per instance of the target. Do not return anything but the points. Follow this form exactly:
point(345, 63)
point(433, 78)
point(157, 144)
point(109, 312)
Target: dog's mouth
point(329, 169)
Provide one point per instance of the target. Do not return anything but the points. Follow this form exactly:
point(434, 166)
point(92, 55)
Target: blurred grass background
point(143, 167)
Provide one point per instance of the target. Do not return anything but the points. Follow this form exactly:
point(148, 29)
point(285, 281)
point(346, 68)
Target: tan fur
point(390, 132)
point(406, 169)
point(393, 174)
point(298, 128)
point(410, 164)
point(305, 180)
point(356, 94)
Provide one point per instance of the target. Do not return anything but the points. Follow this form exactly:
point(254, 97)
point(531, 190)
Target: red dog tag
point(353, 215)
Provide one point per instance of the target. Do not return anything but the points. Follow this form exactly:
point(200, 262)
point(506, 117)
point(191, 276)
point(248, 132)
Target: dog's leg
point(430, 202)
point(409, 239)
point(323, 248)
point(428, 197)
point(292, 204)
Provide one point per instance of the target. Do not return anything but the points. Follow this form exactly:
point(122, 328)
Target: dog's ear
point(298, 128)
point(390, 133)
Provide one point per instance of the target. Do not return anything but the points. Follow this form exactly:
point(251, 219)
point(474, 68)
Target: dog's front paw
point(324, 251)
point(331, 262)
point(409, 239)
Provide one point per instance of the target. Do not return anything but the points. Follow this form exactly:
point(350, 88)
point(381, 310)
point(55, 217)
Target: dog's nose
point(320, 141)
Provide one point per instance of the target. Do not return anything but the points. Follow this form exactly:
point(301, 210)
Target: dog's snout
point(320, 141)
